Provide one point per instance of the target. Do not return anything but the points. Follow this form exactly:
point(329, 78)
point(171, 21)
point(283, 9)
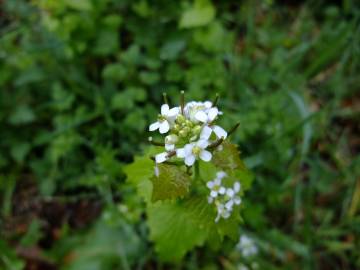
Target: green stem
point(196, 170)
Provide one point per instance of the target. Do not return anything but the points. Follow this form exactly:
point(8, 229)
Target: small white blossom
point(233, 197)
point(165, 119)
point(193, 107)
point(208, 117)
point(222, 212)
point(215, 188)
point(194, 151)
point(247, 246)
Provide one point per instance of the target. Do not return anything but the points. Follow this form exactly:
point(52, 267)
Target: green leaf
point(228, 158)
point(172, 49)
point(139, 173)
point(176, 229)
point(22, 115)
point(19, 151)
point(171, 182)
point(202, 13)
point(115, 72)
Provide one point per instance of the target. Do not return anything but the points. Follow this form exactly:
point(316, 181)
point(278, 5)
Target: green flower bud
point(180, 119)
point(189, 123)
point(183, 133)
point(196, 130)
point(176, 128)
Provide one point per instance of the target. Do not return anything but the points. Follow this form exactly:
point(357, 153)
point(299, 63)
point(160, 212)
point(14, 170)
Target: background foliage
point(81, 80)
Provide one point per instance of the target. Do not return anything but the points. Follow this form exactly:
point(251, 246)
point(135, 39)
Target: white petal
point(217, 181)
point(173, 112)
point(229, 204)
point(201, 116)
point(159, 158)
point(169, 147)
point(202, 144)
point(205, 155)
point(207, 104)
point(210, 184)
point(221, 174)
point(230, 192)
point(164, 127)
point(205, 133)
point(164, 109)
point(180, 153)
point(237, 200)
point(213, 112)
point(226, 214)
point(220, 132)
point(188, 149)
point(154, 126)
point(189, 160)
point(213, 194)
point(210, 199)
point(222, 190)
point(237, 187)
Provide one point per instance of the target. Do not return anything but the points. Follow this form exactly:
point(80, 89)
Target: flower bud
point(189, 123)
point(196, 130)
point(171, 139)
point(176, 128)
point(183, 133)
point(180, 119)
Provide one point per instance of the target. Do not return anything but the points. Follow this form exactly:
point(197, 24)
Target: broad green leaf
point(202, 13)
point(139, 173)
point(22, 115)
point(19, 151)
point(228, 158)
point(176, 229)
point(171, 182)
point(115, 72)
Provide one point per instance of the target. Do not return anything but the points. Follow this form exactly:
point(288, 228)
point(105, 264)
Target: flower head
point(165, 119)
point(193, 151)
point(247, 246)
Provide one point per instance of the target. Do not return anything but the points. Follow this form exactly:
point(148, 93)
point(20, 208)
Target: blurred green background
point(81, 80)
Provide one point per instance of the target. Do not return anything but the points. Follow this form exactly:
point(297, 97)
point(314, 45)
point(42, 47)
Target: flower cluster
point(190, 131)
point(247, 246)
point(223, 198)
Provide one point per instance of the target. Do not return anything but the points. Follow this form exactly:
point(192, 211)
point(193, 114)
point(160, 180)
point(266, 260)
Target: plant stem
point(196, 170)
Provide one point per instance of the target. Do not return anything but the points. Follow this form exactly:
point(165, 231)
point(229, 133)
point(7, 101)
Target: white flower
point(194, 151)
point(165, 119)
point(207, 117)
point(215, 187)
point(232, 195)
point(222, 212)
point(193, 107)
point(247, 246)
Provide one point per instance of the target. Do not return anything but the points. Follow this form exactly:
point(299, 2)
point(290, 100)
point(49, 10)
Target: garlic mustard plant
point(192, 178)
